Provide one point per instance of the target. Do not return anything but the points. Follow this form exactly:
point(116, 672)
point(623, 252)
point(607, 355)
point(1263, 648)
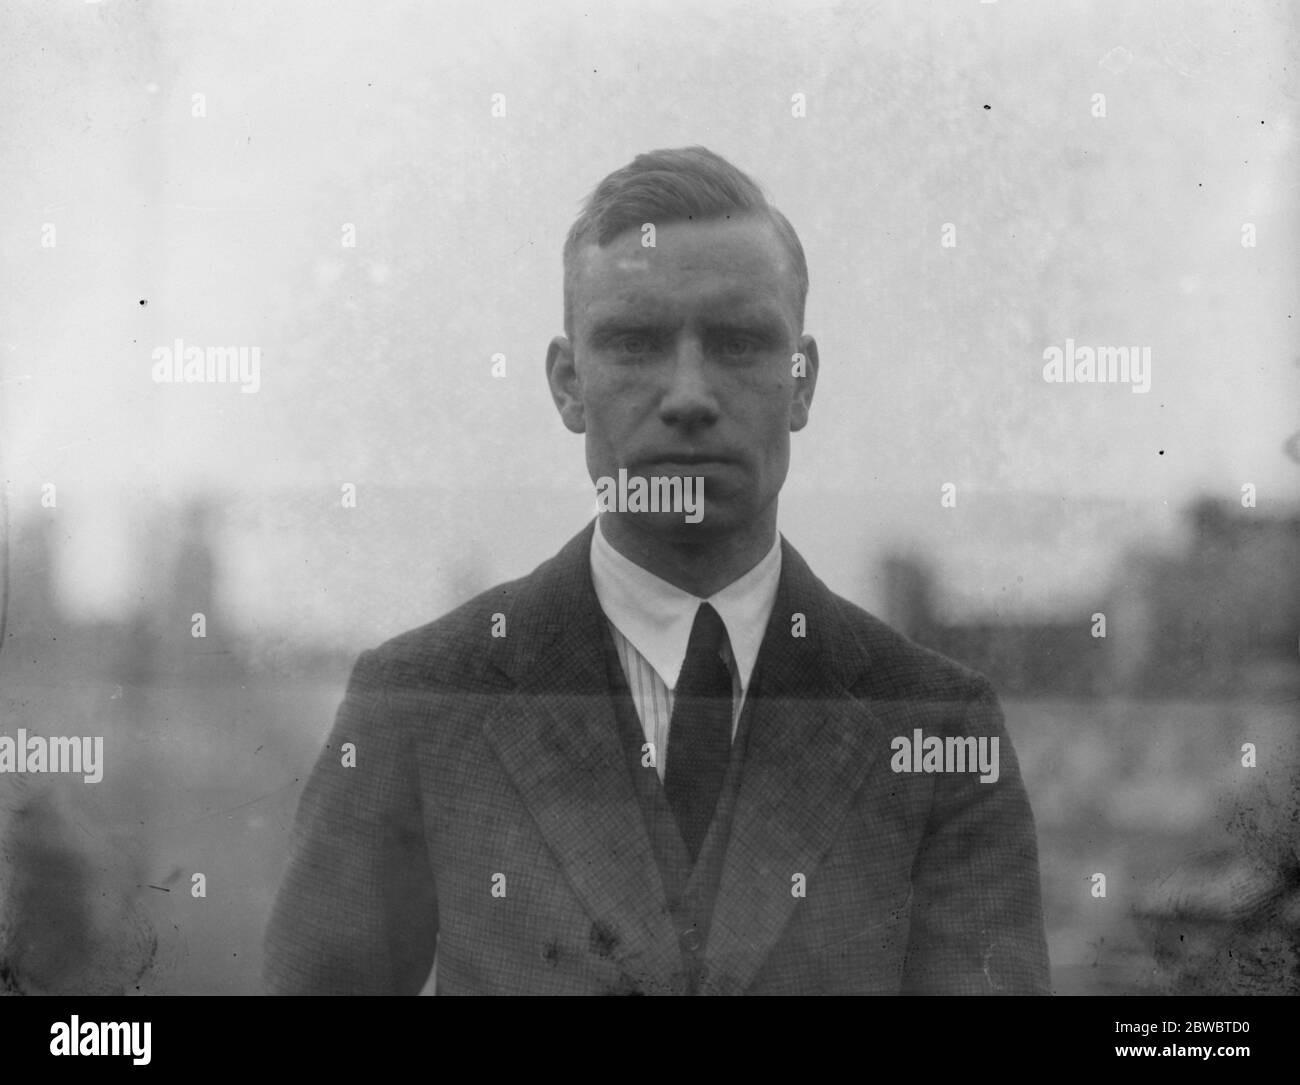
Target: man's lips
point(682, 459)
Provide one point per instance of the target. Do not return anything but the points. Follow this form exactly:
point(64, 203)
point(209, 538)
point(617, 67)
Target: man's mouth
point(683, 460)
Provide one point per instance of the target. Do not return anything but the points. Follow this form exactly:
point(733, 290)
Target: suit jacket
point(491, 814)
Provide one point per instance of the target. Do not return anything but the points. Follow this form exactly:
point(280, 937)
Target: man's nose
point(689, 398)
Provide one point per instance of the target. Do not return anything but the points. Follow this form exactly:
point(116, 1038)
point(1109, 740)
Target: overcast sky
point(1122, 229)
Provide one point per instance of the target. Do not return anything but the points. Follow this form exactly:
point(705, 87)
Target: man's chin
point(702, 527)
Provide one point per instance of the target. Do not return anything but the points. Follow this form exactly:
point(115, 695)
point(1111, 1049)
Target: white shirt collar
point(656, 617)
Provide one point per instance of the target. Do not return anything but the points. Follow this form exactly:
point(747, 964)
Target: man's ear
point(804, 385)
point(566, 385)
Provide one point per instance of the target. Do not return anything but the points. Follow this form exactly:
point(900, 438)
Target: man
point(669, 760)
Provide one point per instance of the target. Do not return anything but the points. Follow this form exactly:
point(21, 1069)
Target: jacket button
point(691, 940)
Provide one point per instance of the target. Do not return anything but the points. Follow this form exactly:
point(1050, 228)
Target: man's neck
point(702, 567)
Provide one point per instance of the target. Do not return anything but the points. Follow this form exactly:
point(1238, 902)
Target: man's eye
point(633, 344)
point(736, 346)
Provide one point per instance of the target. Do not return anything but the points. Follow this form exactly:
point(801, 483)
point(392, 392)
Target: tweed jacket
point(490, 815)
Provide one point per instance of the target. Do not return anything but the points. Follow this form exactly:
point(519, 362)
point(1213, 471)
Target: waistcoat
point(689, 888)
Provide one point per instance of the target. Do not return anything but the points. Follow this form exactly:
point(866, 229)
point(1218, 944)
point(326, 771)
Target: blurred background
point(331, 186)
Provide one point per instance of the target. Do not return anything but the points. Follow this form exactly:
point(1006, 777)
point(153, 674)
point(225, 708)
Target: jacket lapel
point(810, 746)
point(557, 739)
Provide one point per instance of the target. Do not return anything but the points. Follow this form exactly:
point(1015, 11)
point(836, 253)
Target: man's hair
point(671, 186)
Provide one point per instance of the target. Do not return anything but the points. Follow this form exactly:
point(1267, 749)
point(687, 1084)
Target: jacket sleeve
point(977, 924)
point(357, 912)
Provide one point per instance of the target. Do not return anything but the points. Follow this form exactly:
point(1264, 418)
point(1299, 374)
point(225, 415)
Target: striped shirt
point(651, 621)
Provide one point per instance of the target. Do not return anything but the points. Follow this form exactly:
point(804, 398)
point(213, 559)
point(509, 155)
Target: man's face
point(681, 364)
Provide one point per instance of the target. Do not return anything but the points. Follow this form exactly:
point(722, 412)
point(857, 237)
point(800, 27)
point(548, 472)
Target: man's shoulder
point(494, 632)
point(459, 643)
point(497, 630)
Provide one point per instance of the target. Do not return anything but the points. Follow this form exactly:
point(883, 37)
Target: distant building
point(1222, 617)
point(1226, 615)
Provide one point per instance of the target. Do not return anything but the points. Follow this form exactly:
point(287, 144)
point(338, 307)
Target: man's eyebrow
point(758, 319)
point(768, 326)
point(719, 314)
point(629, 308)
point(626, 322)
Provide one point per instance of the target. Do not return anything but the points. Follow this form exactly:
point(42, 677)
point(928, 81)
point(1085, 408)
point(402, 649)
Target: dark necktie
point(699, 733)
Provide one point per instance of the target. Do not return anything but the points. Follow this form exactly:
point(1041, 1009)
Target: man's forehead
point(719, 263)
point(705, 300)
